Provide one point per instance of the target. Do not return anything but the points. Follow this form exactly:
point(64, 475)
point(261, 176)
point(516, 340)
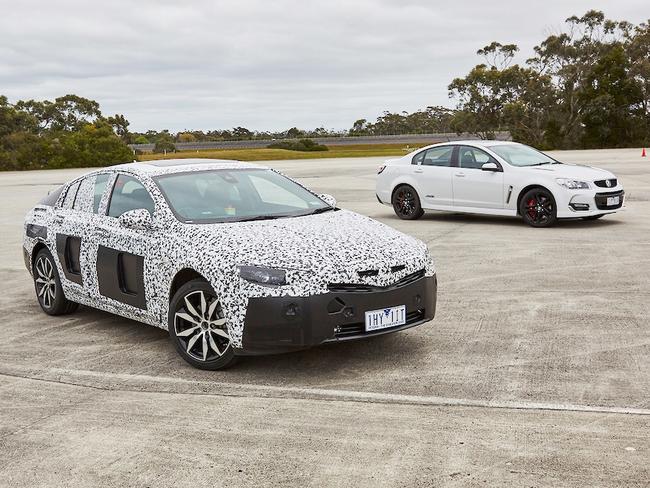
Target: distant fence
point(328, 141)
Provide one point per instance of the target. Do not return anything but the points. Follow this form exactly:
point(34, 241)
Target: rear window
point(51, 198)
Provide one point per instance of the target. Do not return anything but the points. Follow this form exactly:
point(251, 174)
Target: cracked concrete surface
point(535, 371)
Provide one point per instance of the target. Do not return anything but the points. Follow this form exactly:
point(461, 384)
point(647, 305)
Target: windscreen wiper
point(321, 210)
point(260, 217)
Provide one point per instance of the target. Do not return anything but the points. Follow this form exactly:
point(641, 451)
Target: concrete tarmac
point(535, 371)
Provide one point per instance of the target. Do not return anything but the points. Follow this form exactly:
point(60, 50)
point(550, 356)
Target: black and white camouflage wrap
point(315, 250)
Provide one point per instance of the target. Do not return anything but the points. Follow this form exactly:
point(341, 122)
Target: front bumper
point(282, 324)
point(586, 203)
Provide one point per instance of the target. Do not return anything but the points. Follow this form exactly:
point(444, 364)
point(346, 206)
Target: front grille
point(359, 328)
point(611, 183)
point(363, 288)
point(601, 200)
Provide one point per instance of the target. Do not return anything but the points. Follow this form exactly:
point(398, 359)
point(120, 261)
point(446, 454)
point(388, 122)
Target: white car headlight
point(572, 184)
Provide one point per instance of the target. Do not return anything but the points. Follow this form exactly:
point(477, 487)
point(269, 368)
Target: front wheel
point(197, 327)
point(537, 207)
point(406, 203)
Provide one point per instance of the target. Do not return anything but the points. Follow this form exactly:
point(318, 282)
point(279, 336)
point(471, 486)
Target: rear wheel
point(198, 328)
point(406, 203)
point(48, 286)
point(537, 207)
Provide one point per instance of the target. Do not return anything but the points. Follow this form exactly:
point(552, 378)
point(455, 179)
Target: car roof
point(168, 166)
point(479, 143)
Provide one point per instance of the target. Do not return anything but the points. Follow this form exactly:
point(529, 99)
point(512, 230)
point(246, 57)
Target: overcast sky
point(264, 64)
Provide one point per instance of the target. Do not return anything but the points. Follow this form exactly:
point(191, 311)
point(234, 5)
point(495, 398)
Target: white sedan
point(496, 178)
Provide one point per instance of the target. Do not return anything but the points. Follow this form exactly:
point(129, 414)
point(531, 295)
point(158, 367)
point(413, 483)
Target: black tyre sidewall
point(61, 305)
point(417, 213)
point(228, 359)
point(524, 214)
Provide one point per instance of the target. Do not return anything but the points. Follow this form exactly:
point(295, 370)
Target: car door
point(120, 252)
point(71, 230)
point(432, 170)
point(474, 187)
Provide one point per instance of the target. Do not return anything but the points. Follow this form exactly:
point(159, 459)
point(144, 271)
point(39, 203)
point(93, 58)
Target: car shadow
point(136, 348)
point(499, 220)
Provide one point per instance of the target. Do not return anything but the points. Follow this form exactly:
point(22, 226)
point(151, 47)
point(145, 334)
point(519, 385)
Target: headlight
point(572, 184)
point(263, 276)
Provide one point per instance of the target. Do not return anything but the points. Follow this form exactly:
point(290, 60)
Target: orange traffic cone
point(643, 153)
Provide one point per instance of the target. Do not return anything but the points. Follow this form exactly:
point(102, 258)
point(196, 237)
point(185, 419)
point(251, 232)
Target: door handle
point(102, 232)
point(460, 175)
point(419, 171)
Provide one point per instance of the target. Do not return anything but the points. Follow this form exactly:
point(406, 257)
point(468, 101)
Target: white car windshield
point(236, 195)
point(520, 155)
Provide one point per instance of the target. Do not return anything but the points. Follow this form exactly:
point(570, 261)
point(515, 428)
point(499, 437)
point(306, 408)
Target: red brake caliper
point(532, 210)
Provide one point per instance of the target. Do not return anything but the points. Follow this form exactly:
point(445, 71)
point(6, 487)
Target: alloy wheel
point(405, 201)
point(45, 281)
point(200, 326)
point(539, 208)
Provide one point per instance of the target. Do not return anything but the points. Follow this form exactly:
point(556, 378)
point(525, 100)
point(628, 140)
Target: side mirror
point(490, 167)
point(138, 219)
point(328, 199)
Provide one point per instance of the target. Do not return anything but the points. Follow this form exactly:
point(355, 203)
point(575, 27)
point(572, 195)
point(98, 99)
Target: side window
point(83, 201)
point(473, 158)
point(101, 181)
point(52, 197)
point(129, 194)
point(418, 158)
point(70, 196)
point(438, 156)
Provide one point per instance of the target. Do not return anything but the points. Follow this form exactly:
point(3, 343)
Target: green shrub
point(164, 146)
point(299, 145)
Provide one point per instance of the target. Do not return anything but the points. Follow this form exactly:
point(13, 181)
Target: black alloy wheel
point(406, 203)
point(537, 207)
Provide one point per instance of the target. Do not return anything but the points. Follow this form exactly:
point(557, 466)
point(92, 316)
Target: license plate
point(613, 201)
point(385, 318)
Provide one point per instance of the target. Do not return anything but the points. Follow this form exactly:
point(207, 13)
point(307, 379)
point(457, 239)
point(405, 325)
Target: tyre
point(537, 207)
point(197, 327)
point(48, 286)
point(593, 217)
point(406, 203)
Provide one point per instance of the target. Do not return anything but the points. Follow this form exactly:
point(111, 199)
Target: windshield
point(236, 195)
point(520, 155)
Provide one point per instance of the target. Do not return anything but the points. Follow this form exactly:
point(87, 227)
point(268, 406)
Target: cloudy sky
point(264, 64)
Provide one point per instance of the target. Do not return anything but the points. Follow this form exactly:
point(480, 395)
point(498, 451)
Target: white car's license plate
point(612, 201)
point(385, 318)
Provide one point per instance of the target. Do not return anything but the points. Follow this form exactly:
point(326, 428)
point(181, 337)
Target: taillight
point(381, 168)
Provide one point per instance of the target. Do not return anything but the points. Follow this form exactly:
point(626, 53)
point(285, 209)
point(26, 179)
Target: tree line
point(65, 133)
point(585, 87)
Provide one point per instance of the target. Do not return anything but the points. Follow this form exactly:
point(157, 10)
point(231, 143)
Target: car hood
point(575, 171)
point(333, 242)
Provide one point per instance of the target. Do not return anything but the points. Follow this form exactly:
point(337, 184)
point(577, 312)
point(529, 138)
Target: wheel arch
point(35, 250)
point(402, 183)
point(181, 277)
point(530, 187)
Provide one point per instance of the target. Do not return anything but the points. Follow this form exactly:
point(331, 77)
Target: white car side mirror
point(138, 219)
point(490, 167)
point(328, 199)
